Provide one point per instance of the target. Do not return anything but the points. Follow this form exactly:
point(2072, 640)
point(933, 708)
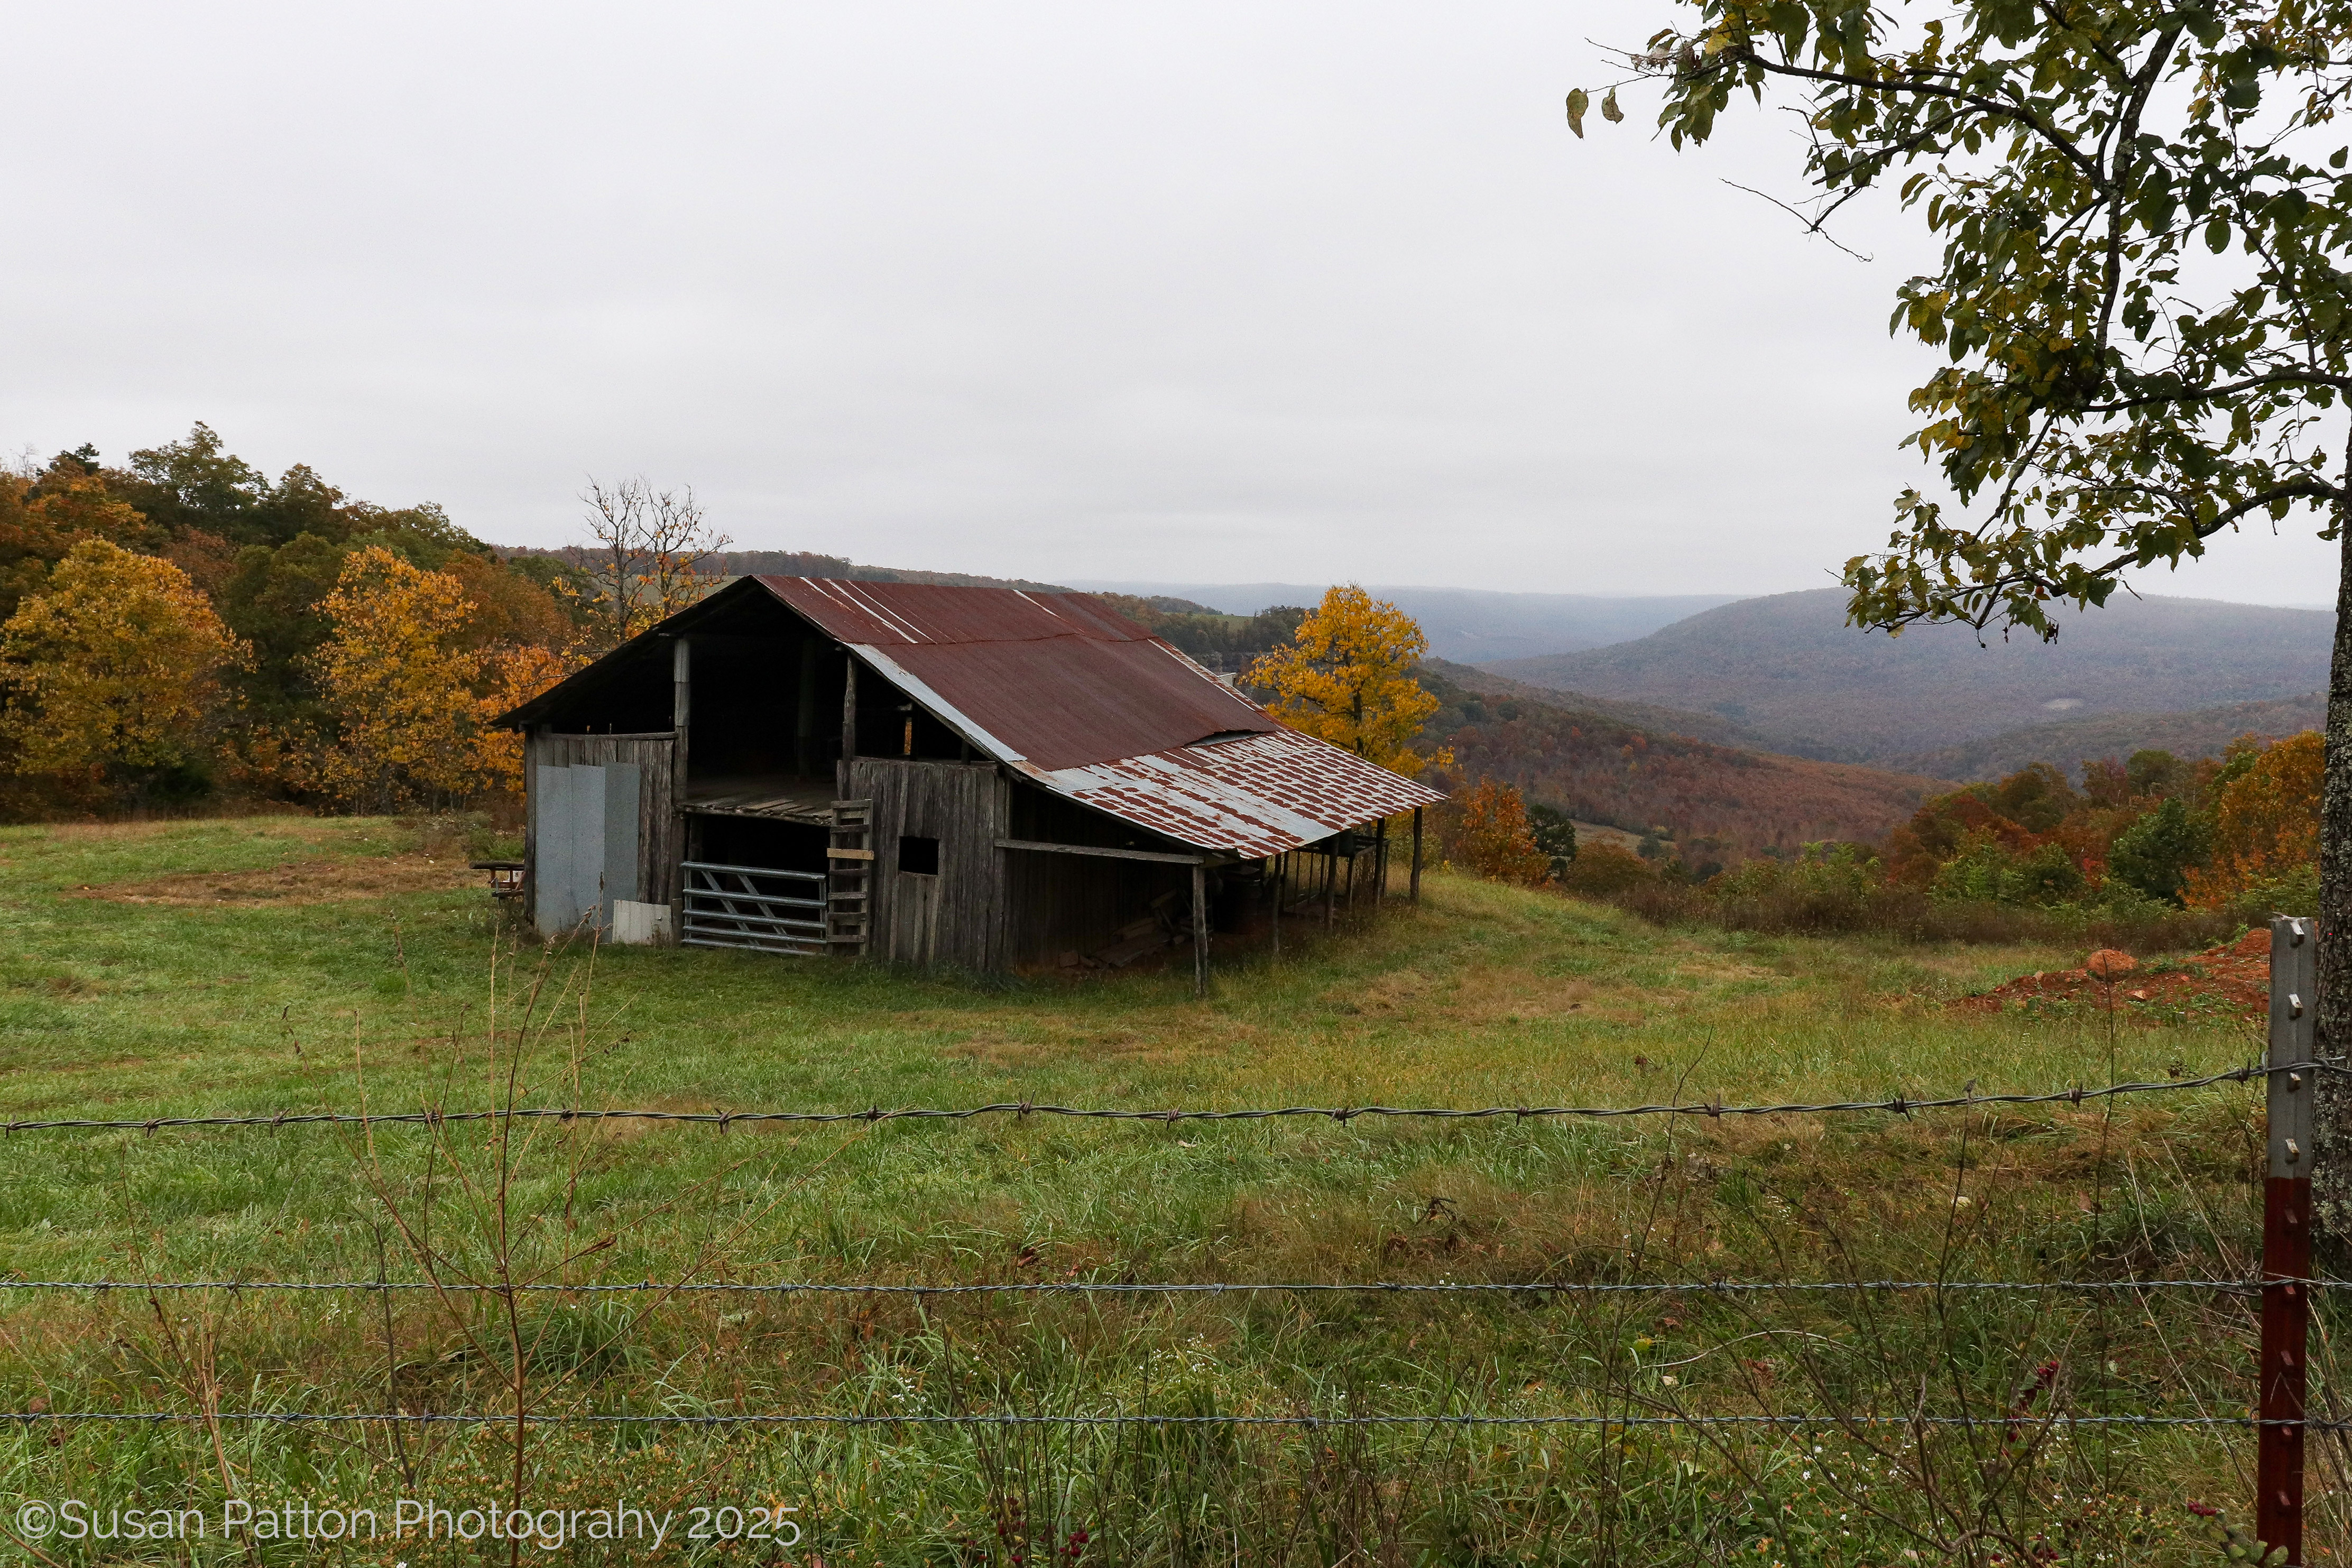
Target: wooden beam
point(1278, 872)
point(849, 717)
point(1200, 930)
point(805, 710)
point(1414, 897)
point(1044, 849)
point(681, 712)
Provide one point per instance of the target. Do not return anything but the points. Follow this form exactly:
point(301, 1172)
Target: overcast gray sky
point(1204, 291)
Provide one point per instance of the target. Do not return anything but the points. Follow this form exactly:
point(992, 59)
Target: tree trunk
point(2331, 1176)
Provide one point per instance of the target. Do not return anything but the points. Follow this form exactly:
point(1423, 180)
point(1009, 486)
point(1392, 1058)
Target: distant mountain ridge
point(1787, 671)
point(1469, 626)
point(1719, 804)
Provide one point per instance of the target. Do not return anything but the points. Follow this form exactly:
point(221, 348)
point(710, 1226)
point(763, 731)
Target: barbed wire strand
point(1342, 1114)
point(1211, 1287)
point(579, 1418)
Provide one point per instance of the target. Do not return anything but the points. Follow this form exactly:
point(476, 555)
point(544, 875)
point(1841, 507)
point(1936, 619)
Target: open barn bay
point(258, 965)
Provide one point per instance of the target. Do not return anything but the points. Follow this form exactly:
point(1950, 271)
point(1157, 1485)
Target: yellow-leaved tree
point(113, 671)
point(398, 674)
point(1348, 678)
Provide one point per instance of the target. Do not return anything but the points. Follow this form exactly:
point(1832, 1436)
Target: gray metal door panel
point(588, 841)
point(624, 784)
point(553, 807)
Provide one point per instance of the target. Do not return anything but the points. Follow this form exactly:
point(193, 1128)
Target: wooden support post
point(1381, 867)
point(848, 718)
point(804, 730)
point(1355, 854)
point(2287, 1239)
point(1199, 931)
point(1331, 886)
point(1414, 897)
point(681, 715)
point(1276, 871)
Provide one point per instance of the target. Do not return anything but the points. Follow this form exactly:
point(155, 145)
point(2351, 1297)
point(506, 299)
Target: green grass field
point(265, 964)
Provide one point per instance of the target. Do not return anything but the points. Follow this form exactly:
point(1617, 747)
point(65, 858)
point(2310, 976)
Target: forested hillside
point(1787, 668)
point(1472, 624)
point(1641, 715)
point(810, 563)
point(1719, 804)
point(2069, 744)
point(178, 624)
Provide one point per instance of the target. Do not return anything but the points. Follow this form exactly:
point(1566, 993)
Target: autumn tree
point(513, 674)
point(396, 672)
point(2265, 831)
point(1491, 835)
point(113, 673)
point(46, 513)
point(2141, 304)
point(653, 555)
point(1348, 677)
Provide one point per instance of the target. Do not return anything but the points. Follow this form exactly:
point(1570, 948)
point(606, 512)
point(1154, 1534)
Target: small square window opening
point(920, 855)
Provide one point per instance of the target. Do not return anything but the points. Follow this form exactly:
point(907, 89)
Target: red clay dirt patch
point(2230, 982)
point(297, 883)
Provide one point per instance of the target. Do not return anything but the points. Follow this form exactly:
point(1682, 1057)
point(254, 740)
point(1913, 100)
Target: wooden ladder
point(849, 888)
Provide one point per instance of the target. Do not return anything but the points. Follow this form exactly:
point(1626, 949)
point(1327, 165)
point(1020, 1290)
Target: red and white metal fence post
point(2286, 1241)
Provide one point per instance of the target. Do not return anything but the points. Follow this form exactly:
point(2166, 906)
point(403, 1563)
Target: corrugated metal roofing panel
point(1255, 797)
point(1053, 679)
point(896, 614)
point(1065, 701)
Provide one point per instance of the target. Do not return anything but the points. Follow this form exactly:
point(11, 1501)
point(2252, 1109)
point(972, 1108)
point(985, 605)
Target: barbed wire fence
point(2284, 1287)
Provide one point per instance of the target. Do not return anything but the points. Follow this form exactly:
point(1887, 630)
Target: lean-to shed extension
point(978, 776)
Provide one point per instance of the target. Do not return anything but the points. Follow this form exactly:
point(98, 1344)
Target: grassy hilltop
point(262, 964)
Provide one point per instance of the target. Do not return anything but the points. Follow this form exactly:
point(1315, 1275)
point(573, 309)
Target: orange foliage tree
point(115, 668)
point(2265, 822)
point(1348, 678)
point(1491, 835)
point(43, 516)
point(515, 675)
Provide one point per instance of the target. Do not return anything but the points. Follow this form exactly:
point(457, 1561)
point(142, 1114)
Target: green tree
point(2154, 854)
point(198, 484)
point(2142, 301)
point(272, 600)
point(1555, 835)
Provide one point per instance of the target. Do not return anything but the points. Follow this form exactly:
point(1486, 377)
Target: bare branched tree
point(652, 556)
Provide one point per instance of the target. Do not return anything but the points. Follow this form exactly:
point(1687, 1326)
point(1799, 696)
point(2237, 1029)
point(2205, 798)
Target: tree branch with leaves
point(2142, 298)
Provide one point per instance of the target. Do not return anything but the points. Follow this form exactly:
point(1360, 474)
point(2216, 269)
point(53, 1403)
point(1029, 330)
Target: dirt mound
point(296, 882)
point(2232, 982)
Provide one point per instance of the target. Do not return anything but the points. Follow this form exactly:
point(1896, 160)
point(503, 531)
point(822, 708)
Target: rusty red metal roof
point(1058, 680)
point(1252, 797)
point(1095, 708)
point(1076, 698)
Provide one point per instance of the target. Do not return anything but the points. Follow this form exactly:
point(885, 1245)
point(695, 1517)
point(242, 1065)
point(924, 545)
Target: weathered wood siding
point(660, 848)
point(1072, 903)
point(958, 916)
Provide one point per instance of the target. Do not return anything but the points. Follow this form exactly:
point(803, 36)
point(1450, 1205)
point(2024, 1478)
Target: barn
point(975, 776)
